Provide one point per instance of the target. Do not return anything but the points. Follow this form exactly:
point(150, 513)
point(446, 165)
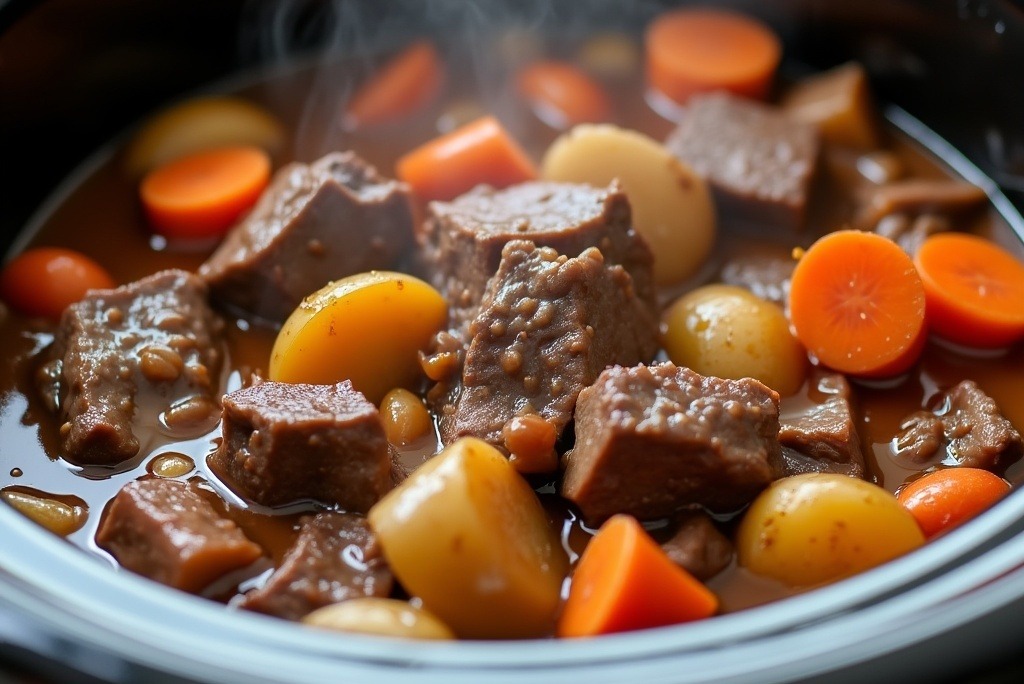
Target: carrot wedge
point(479, 152)
point(974, 290)
point(696, 50)
point(402, 86)
point(624, 581)
point(857, 303)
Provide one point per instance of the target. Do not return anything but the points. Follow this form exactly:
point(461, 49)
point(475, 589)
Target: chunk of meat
point(979, 436)
point(465, 237)
point(548, 326)
point(765, 273)
point(651, 440)
point(144, 356)
point(759, 161)
point(909, 233)
point(336, 557)
point(950, 198)
point(166, 531)
point(967, 430)
point(698, 546)
point(286, 442)
point(824, 435)
point(315, 223)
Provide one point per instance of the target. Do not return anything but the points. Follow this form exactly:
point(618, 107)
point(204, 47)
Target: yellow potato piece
point(367, 328)
point(468, 536)
point(839, 102)
point(381, 616)
point(812, 529)
point(201, 124)
point(729, 332)
point(672, 206)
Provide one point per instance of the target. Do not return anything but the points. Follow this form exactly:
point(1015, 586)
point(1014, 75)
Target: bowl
point(74, 74)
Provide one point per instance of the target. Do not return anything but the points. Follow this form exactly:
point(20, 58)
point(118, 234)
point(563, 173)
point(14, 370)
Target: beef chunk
point(765, 273)
point(651, 440)
point(314, 224)
point(949, 198)
point(465, 237)
point(336, 557)
point(968, 430)
point(920, 438)
point(144, 356)
point(548, 326)
point(697, 546)
point(287, 442)
point(824, 433)
point(758, 161)
point(166, 531)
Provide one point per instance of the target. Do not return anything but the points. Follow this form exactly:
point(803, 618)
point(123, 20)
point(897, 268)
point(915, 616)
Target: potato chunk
point(839, 103)
point(468, 536)
point(367, 328)
point(672, 206)
point(816, 528)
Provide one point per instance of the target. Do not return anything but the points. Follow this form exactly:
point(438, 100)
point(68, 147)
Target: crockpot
point(74, 73)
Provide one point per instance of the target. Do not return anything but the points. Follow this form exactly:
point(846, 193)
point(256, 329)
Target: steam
point(483, 42)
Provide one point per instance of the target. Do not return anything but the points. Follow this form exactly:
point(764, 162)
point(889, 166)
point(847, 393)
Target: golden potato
point(811, 529)
point(381, 616)
point(368, 328)
point(467, 536)
point(672, 206)
point(729, 332)
point(199, 124)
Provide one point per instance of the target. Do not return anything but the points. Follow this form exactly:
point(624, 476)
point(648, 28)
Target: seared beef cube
point(759, 161)
point(697, 546)
point(548, 326)
point(465, 237)
point(144, 356)
point(979, 436)
point(912, 198)
point(766, 274)
point(920, 438)
point(336, 557)
point(286, 442)
point(166, 531)
point(969, 430)
point(314, 224)
point(825, 433)
point(911, 234)
point(651, 440)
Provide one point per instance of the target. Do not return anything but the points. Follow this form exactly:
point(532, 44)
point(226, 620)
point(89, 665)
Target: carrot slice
point(946, 498)
point(561, 94)
point(974, 290)
point(478, 152)
point(624, 581)
point(45, 280)
point(691, 51)
point(857, 303)
point(408, 82)
point(203, 194)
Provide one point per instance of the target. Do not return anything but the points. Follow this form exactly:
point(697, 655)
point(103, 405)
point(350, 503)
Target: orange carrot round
point(690, 51)
point(857, 303)
point(406, 83)
point(202, 195)
point(946, 498)
point(974, 290)
point(481, 151)
point(624, 581)
point(562, 95)
point(45, 280)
